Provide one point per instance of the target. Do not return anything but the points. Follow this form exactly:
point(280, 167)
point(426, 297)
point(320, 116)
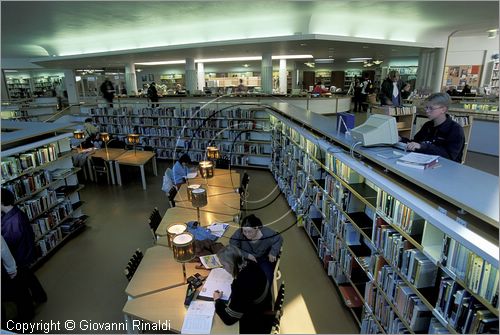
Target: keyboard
point(400, 146)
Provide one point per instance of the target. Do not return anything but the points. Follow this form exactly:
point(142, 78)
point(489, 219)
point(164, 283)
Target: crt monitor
point(377, 130)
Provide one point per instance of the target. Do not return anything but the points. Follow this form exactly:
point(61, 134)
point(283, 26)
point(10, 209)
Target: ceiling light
point(292, 56)
point(377, 62)
point(360, 58)
point(355, 61)
point(163, 62)
point(9, 70)
point(492, 33)
point(227, 59)
point(365, 47)
point(324, 60)
point(309, 64)
point(303, 44)
point(139, 70)
point(246, 65)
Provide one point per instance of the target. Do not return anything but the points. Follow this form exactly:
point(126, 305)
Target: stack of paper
point(199, 316)
point(218, 229)
point(418, 161)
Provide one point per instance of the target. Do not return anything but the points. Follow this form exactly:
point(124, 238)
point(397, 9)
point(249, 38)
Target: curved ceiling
point(59, 30)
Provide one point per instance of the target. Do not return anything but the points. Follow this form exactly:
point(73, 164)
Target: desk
point(158, 271)
point(212, 191)
point(168, 306)
point(183, 215)
point(228, 204)
point(222, 178)
point(110, 156)
point(137, 158)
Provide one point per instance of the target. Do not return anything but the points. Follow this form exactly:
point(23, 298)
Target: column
point(130, 79)
point(190, 76)
point(422, 66)
point(70, 84)
point(282, 76)
point(201, 76)
point(437, 70)
point(5, 94)
point(266, 73)
point(295, 76)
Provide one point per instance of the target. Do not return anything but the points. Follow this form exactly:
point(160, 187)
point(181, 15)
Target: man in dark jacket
point(390, 91)
point(440, 135)
point(153, 95)
point(17, 232)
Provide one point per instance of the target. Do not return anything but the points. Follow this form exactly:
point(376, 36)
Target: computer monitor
point(377, 130)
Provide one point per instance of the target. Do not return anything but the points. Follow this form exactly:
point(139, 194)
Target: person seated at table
point(250, 294)
point(90, 128)
point(180, 170)
point(440, 135)
point(258, 244)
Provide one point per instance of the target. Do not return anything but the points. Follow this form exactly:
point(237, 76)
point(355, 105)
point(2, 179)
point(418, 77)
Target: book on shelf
point(351, 298)
point(418, 161)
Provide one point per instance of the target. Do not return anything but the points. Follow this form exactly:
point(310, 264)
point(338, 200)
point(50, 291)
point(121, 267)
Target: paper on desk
point(199, 316)
point(218, 229)
point(218, 279)
point(210, 261)
point(192, 175)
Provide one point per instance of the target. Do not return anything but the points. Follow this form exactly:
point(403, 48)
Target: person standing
point(108, 91)
point(390, 92)
point(19, 236)
point(153, 95)
point(366, 88)
point(358, 96)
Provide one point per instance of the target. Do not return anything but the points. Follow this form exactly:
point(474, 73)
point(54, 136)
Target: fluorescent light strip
point(360, 58)
point(226, 59)
point(167, 62)
point(355, 61)
point(292, 57)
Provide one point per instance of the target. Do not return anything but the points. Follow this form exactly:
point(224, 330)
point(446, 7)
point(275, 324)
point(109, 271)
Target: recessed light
point(303, 44)
point(365, 47)
point(246, 65)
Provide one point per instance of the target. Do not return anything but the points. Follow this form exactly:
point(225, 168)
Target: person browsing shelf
point(440, 135)
point(258, 244)
point(250, 293)
point(180, 170)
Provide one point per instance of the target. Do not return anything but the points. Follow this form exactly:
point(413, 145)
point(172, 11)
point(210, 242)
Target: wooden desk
point(158, 271)
point(212, 191)
point(228, 204)
point(168, 306)
point(183, 215)
point(222, 178)
point(110, 156)
point(137, 158)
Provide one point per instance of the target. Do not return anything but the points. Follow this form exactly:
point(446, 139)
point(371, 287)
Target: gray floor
point(84, 280)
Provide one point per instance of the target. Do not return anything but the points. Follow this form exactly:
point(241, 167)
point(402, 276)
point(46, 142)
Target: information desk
point(212, 191)
point(109, 155)
point(183, 215)
point(158, 271)
point(168, 306)
point(136, 158)
point(222, 178)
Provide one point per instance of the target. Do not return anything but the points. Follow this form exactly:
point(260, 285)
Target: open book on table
point(417, 160)
point(218, 279)
point(199, 317)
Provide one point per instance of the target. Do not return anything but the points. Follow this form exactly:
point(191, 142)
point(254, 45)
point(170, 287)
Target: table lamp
point(79, 135)
point(206, 169)
point(134, 139)
point(105, 138)
point(199, 199)
point(183, 249)
point(190, 189)
point(174, 230)
point(213, 154)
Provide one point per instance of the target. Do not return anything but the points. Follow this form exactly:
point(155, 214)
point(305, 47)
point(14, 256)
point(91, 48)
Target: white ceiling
point(73, 34)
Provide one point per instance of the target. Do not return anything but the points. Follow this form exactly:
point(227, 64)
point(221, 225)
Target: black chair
point(154, 222)
point(133, 264)
point(100, 168)
point(171, 196)
point(278, 309)
point(243, 191)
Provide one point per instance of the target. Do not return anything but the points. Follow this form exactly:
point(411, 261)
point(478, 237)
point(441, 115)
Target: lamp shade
point(174, 230)
point(183, 247)
point(199, 197)
point(133, 138)
point(190, 189)
point(213, 153)
point(206, 169)
point(104, 136)
point(79, 134)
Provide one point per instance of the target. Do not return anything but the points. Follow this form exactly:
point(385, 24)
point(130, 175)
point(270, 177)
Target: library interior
point(250, 167)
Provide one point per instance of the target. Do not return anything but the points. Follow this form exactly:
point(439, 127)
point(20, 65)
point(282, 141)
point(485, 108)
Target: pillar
point(419, 82)
point(70, 84)
point(295, 76)
point(201, 76)
point(266, 73)
point(190, 76)
point(437, 69)
point(5, 94)
point(130, 79)
point(282, 76)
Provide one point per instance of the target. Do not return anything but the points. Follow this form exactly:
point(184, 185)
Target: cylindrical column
point(282, 76)
point(130, 79)
point(201, 76)
point(266, 73)
point(70, 84)
point(295, 76)
point(438, 69)
point(190, 75)
point(419, 82)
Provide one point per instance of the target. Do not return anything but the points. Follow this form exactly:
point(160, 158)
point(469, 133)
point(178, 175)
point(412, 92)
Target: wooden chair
point(99, 168)
point(466, 122)
point(133, 264)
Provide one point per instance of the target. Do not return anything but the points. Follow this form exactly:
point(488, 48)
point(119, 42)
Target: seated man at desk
point(250, 294)
point(258, 244)
point(440, 135)
point(180, 170)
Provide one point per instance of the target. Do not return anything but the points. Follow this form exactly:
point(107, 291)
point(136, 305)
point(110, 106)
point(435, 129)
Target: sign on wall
point(460, 75)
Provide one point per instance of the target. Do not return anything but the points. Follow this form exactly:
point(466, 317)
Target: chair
point(278, 309)
point(243, 190)
point(100, 167)
point(117, 144)
point(133, 264)
point(276, 276)
point(171, 196)
point(154, 222)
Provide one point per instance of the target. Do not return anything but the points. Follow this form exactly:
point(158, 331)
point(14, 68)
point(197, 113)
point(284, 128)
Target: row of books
point(480, 276)
point(402, 110)
point(44, 224)
point(462, 311)
point(13, 166)
point(461, 120)
point(401, 215)
point(346, 173)
point(36, 206)
point(29, 184)
point(49, 241)
point(370, 326)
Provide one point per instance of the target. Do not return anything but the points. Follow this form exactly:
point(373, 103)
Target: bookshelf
point(405, 117)
point(18, 88)
point(349, 77)
point(45, 184)
point(242, 134)
point(413, 266)
point(494, 77)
